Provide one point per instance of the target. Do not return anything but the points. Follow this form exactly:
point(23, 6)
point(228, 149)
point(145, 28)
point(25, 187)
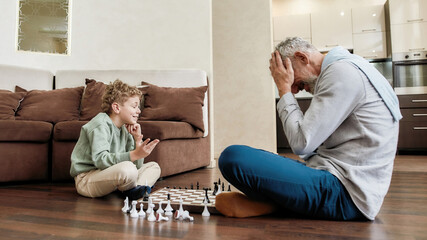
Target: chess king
point(109, 154)
point(347, 138)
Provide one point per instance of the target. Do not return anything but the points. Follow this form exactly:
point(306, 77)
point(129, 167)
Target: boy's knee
point(128, 170)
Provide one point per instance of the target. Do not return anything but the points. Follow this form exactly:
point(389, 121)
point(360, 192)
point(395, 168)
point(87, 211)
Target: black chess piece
point(197, 185)
point(215, 189)
point(146, 196)
point(206, 194)
point(191, 186)
point(222, 187)
point(169, 196)
point(229, 188)
point(219, 181)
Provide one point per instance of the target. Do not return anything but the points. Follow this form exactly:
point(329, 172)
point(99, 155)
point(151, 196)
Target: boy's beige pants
point(122, 176)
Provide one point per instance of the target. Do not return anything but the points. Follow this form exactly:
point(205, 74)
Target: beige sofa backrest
point(27, 78)
point(162, 78)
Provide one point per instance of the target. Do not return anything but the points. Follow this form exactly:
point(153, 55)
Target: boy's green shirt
point(101, 145)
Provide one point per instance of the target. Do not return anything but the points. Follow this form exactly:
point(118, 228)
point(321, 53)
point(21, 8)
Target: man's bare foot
point(236, 204)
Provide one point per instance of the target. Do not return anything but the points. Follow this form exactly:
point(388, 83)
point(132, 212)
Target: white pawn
point(141, 212)
point(151, 218)
point(125, 208)
point(161, 218)
point(160, 210)
point(186, 215)
point(168, 209)
point(134, 212)
point(205, 212)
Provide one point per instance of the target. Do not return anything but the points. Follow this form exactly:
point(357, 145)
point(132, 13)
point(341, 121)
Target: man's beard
point(311, 82)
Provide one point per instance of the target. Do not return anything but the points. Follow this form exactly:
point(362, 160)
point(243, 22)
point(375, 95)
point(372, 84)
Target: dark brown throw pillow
point(174, 104)
point(9, 104)
point(51, 106)
point(92, 99)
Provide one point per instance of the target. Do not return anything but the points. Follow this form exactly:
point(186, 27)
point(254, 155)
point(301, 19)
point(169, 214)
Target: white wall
point(125, 34)
point(287, 7)
point(244, 93)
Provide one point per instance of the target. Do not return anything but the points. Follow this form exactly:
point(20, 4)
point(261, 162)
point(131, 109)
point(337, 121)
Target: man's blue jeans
point(290, 184)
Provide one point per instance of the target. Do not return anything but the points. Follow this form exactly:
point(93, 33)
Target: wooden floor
point(55, 211)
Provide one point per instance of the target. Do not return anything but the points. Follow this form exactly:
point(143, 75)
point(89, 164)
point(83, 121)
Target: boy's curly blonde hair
point(119, 92)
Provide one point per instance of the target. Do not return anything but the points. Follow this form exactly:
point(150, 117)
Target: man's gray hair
point(291, 45)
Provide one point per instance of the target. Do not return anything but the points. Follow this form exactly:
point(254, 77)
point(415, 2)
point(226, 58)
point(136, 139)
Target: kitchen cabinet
point(369, 32)
point(368, 19)
point(331, 28)
point(407, 11)
point(291, 26)
point(409, 37)
point(413, 125)
point(370, 45)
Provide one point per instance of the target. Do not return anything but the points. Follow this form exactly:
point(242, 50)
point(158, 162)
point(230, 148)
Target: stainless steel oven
point(410, 72)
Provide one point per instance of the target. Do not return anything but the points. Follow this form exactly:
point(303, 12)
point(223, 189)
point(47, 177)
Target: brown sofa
point(38, 132)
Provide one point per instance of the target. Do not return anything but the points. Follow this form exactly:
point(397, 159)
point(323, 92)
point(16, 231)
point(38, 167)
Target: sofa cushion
point(28, 131)
point(163, 130)
point(51, 106)
point(174, 104)
point(68, 131)
point(9, 104)
point(92, 99)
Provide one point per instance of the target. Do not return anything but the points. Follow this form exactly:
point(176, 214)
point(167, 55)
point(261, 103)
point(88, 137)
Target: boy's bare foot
point(236, 204)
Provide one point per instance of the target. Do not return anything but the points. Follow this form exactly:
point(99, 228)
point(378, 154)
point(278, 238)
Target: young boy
point(109, 154)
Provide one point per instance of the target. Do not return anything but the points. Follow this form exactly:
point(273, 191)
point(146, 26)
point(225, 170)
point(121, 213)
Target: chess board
point(192, 199)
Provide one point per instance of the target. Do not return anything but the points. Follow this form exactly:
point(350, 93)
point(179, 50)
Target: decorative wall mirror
point(43, 26)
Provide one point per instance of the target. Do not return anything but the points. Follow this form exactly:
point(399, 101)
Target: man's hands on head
point(283, 75)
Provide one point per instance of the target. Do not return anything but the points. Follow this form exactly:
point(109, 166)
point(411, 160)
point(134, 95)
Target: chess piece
point(151, 217)
point(191, 186)
point(141, 212)
point(161, 218)
point(197, 185)
point(181, 209)
point(219, 182)
point(134, 212)
point(215, 189)
point(206, 194)
point(125, 208)
point(222, 186)
point(160, 210)
point(186, 216)
point(149, 208)
point(219, 190)
point(205, 212)
point(229, 187)
point(168, 209)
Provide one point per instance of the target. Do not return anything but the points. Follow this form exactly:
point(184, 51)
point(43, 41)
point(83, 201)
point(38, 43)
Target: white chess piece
point(181, 209)
point(149, 208)
point(134, 212)
point(205, 212)
point(168, 209)
point(151, 217)
point(141, 212)
point(125, 208)
point(186, 215)
point(160, 210)
point(161, 218)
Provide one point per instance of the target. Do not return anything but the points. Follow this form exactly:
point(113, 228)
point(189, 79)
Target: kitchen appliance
point(410, 72)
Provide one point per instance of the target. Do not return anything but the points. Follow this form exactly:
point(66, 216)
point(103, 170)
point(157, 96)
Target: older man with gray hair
point(347, 138)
